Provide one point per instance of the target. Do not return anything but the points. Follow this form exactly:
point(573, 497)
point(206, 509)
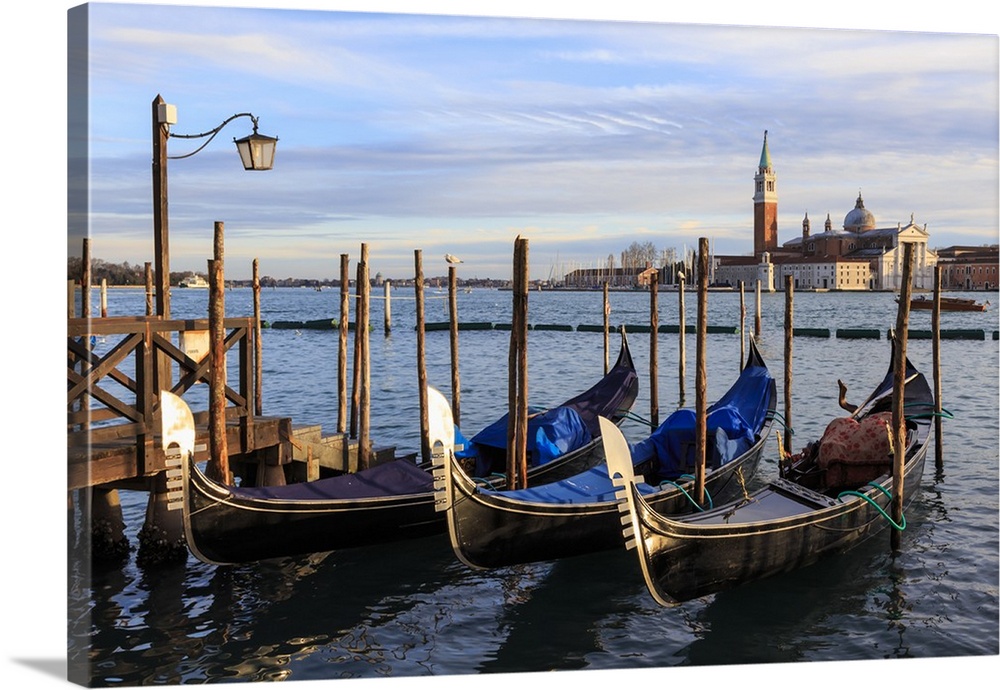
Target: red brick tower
point(765, 205)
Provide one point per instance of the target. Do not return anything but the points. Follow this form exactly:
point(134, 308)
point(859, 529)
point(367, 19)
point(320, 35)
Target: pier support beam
point(161, 539)
point(108, 542)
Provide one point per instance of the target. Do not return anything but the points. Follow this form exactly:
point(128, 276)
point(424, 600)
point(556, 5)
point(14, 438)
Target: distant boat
point(193, 281)
point(948, 304)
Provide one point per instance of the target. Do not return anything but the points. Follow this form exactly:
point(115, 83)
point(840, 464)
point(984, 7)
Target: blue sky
point(457, 133)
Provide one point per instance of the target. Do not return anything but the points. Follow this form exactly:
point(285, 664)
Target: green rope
point(628, 414)
point(686, 494)
point(488, 481)
point(875, 505)
point(778, 416)
point(925, 415)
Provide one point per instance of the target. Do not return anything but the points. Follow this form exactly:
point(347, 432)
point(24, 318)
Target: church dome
point(859, 219)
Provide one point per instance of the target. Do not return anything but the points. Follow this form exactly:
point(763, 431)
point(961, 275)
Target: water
point(412, 610)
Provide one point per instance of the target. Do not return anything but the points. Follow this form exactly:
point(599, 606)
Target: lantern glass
point(256, 151)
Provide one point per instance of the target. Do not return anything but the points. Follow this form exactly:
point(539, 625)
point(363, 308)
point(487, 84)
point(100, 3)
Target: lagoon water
point(412, 610)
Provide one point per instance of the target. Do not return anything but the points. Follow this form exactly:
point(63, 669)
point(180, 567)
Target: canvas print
point(408, 345)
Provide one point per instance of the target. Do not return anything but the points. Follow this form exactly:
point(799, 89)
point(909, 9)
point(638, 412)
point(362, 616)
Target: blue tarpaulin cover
point(550, 434)
point(732, 424)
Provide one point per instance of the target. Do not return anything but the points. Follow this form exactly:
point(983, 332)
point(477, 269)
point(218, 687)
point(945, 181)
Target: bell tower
point(765, 205)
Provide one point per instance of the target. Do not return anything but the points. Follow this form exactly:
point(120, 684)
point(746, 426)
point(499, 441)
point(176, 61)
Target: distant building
point(969, 268)
point(857, 256)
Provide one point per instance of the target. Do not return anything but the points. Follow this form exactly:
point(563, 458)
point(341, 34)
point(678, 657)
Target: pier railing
point(114, 390)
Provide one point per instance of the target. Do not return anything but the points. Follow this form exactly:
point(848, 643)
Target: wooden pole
point(681, 354)
point(364, 396)
point(701, 375)
point(607, 319)
point(387, 294)
point(345, 300)
point(456, 388)
point(149, 288)
point(85, 280)
point(654, 371)
point(512, 379)
point(521, 429)
point(218, 465)
point(356, 372)
point(789, 309)
point(938, 401)
point(71, 299)
point(425, 444)
point(899, 388)
point(743, 319)
point(104, 298)
point(258, 346)
point(756, 322)
point(161, 229)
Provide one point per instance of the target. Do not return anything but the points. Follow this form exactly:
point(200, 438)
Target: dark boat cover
point(551, 434)
point(731, 424)
point(394, 478)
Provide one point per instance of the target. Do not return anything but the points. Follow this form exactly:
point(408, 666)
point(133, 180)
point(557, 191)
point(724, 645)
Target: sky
point(456, 134)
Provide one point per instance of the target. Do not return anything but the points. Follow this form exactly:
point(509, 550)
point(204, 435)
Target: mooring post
point(517, 361)
point(899, 389)
point(789, 308)
point(756, 322)
point(364, 397)
point(456, 389)
point(85, 279)
point(607, 319)
point(425, 444)
point(522, 371)
point(258, 346)
point(387, 295)
point(654, 370)
point(345, 300)
point(149, 288)
point(71, 299)
point(743, 319)
point(218, 464)
point(681, 354)
point(356, 371)
point(938, 399)
point(701, 375)
point(104, 298)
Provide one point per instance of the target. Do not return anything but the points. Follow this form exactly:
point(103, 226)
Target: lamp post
point(256, 152)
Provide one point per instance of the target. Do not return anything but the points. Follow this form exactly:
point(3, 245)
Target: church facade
point(859, 255)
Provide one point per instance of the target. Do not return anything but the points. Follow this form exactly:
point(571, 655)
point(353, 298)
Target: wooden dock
point(113, 407)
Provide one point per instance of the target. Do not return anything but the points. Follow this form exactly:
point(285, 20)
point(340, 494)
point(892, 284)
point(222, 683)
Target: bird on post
point(452, 259)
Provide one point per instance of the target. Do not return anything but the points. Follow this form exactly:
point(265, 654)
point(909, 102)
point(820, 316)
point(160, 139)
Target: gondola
point(829, 498)
point(490, 528)
point(392, 501)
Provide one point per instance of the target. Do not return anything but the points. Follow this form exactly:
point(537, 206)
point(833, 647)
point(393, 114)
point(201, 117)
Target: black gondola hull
point(491, 529)
point(689, 563)
point(781, 527)
point(225, 525)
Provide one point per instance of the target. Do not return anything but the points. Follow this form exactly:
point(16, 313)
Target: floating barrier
point(812, 332)
point(949, 334)
point(847, 333)
point(859, 333)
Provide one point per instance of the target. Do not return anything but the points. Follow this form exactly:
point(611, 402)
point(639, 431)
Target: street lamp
point(256, 152)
